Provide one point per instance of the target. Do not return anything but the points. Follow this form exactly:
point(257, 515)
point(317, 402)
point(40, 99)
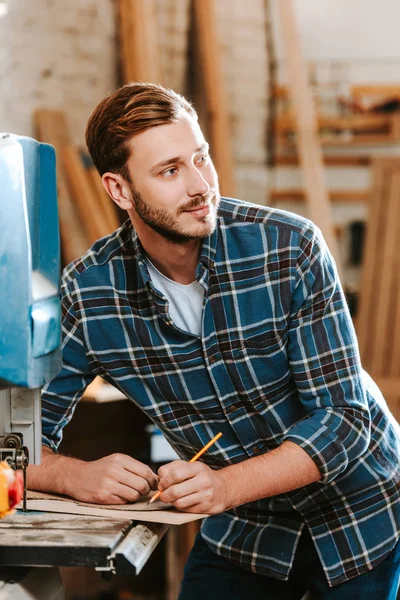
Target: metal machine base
point(30, 584)
point(42, 539)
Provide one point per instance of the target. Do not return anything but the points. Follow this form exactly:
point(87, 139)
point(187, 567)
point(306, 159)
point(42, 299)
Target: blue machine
point(30, 330)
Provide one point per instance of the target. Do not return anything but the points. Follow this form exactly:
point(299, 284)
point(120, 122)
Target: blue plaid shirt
point(277, 360)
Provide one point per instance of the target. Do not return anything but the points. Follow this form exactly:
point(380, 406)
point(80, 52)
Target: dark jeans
point(210, 577)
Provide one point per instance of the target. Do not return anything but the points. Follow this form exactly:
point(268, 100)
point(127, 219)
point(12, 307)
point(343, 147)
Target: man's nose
point(197, 184)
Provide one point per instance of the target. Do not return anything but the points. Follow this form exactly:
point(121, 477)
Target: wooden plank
point(138, 35)
point(378, 320)
point(309, 147)
point(220, 134)
point(389, 386)
point(359, 160)
point(297, 195)
point(105, 202)
point(180, 541)
point(375, 89)
point(356, 91)
point(51, 127)
point(370, 267)
point(385, 293)
point(85, 198)
point(368, 122)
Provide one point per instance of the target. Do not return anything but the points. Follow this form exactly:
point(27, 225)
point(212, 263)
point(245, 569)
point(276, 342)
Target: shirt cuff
point(322, 445)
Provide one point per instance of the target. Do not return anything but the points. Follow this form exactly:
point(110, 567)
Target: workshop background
point(326, 145)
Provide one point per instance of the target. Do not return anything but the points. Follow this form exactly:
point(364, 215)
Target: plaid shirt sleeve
point(325, 364)
point(60, 396)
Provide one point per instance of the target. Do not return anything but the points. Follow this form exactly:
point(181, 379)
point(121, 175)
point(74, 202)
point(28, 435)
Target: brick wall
point(55, 54)
point(59, 54)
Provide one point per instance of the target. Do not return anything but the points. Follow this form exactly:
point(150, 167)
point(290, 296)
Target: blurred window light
point(3, 8)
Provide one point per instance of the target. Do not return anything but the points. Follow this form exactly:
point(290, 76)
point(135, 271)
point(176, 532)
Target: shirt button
point(214, 358)
point(256, 449)
point(232, 408)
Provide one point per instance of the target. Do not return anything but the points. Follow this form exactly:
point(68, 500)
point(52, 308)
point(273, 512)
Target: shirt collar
point(207, 253)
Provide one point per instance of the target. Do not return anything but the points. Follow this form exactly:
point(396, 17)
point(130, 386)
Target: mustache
point(197, 202)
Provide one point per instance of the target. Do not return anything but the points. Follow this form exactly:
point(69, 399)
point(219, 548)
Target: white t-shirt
point(185, 301)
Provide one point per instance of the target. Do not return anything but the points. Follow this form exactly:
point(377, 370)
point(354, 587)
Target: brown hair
point(132, 109)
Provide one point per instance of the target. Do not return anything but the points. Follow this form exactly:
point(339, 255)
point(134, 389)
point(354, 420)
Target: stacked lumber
point(378, 318)
point(86, 212)
point(142, 55)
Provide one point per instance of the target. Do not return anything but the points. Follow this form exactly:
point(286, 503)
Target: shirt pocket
point(257, 363)
point(260, 372)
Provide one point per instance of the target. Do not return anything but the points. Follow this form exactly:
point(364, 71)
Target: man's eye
point(203, 159)
point(170, 172)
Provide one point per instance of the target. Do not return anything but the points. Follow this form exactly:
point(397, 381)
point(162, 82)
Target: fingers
point(139, 469)
point(192, 503)
point(177, 471)
point(180, 481)
point(134, 483)
point(117, 479)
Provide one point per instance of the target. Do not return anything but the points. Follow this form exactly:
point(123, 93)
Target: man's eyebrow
point(176, 159)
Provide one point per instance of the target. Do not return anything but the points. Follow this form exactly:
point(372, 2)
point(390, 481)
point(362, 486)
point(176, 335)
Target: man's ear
point(118, 189)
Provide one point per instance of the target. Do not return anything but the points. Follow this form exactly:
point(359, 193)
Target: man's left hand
point(193, 487)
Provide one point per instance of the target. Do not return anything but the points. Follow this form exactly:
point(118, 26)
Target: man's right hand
point(114, 479)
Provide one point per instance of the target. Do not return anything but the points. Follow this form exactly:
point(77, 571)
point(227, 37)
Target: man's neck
point(176, 261)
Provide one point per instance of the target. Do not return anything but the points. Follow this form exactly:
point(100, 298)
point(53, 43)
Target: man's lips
point(199, 211)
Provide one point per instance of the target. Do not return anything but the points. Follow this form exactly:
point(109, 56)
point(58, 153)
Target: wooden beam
point(221, 140)
point(286, 123)
point(138, 40)
point(376, 89)
point(51, 127)
point(359, 160)
point(89, 208)
point(309, 147)
point(297, 195)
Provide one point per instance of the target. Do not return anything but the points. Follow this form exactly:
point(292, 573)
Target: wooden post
point(221, 141)
point(138, 38)
point(309, 146)
point(51, 127)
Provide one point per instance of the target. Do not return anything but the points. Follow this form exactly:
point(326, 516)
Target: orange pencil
point(195, 457)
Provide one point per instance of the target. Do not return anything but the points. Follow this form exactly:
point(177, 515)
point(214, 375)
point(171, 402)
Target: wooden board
point(139, 511)
point(378, 318)
point(296, 195)
point(138, 40)
point(309, 147)
point(85, 197)
point(51, 127)
point(358, 160)
point(219, 126)
point(47, 539)
point(105, 202)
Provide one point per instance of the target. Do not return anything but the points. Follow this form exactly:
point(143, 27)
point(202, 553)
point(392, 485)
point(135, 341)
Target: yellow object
point(4, 485)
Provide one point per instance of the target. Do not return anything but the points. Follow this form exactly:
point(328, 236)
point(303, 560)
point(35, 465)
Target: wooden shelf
point(359, 160)
point(344, 131)
point(298, 195)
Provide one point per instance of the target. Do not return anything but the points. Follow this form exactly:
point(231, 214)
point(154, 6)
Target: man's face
point(174, 183)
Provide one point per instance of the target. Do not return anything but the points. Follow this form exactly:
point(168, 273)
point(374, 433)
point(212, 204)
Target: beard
point(166, 223)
